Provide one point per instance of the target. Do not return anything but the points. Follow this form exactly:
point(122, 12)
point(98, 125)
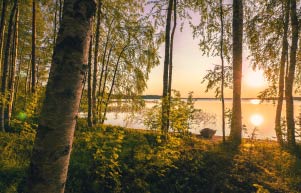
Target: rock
point(207, 133)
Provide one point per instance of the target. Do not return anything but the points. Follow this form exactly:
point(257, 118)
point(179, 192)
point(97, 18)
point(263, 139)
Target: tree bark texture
point(53, 143)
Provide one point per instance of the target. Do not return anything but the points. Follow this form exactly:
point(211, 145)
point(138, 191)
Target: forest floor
point(114, 159)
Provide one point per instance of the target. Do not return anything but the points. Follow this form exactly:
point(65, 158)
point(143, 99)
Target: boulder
point(207, 133)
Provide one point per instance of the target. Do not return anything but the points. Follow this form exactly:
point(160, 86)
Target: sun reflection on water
point(255, 101)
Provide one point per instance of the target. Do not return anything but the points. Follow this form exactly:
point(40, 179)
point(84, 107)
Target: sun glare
point(255, 79)
point(255, 101)
point(256, 120)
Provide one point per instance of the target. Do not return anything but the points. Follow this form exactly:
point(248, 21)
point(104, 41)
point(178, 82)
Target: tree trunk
point(37, 72)
point(237, 27)
point(223, 69)
point(90, 115)
point(103, 65)
point(290, 79)
point(6, 65)
point(61, 2)
point(164, 115)
point(281, 75)
point(106, 73)
point(53, 143)
point(171, 61)
point(33, 48)
point(55, 22)
point(96, 50)
point(27, 80)
point(11, 85)
point(2, 29)
point(18, 78)
point(112, 85)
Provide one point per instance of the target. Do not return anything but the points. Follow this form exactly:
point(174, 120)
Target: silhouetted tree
point(164, 126)
point(236, 122)
point(290, 78)
point(284, 54)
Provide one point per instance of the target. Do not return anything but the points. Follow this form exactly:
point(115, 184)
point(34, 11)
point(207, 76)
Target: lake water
point(254, 114)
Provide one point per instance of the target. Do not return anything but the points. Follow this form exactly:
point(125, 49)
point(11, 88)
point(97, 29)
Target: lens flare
point(22, 116)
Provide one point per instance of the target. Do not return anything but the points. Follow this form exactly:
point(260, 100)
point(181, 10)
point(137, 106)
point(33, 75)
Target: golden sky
point(190, 67)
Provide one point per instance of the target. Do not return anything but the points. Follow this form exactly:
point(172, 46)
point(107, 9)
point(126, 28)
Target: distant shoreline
point(154, 97)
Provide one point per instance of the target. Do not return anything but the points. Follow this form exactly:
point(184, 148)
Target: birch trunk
point(53, 143)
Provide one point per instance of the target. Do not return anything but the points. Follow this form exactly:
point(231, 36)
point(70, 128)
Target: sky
point(189, 68)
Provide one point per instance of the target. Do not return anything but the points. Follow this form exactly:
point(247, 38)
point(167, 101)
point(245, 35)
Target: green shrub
point(14, 159)
point(109, 159)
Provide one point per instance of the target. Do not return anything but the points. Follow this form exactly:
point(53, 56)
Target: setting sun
point(256, 119)
point(255, 79)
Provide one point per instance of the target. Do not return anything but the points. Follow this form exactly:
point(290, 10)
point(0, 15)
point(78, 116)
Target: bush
point(183, 115)
point(14, 159)
point(113, 159)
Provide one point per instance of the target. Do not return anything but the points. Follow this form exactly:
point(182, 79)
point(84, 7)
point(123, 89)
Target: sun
point(255, 79)
point(256, 119)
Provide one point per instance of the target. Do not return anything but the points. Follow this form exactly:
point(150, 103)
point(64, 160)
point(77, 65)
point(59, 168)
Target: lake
point(254, 114)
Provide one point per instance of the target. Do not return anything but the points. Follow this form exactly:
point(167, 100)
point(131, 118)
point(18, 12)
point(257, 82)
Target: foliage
point(14, 159)
point(127, 53)
point(208, 30)
point(214, 77)
point(113, 159)
point(183, 115)
point(260, 189)
point(209, 27)
point(97, 155)
point(264, 32)
point(264, 163)
point(27, 120)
